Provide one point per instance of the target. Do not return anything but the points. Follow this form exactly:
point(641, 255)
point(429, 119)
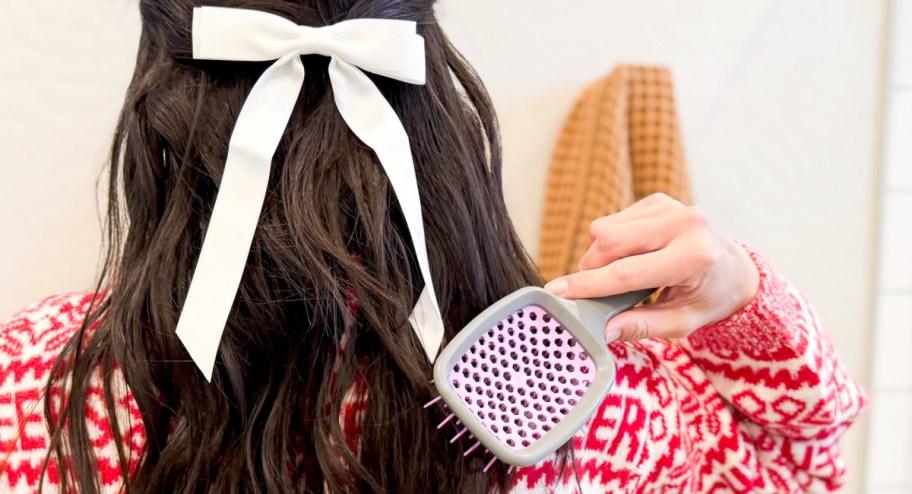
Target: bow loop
point(241, 35)
point(386, 47)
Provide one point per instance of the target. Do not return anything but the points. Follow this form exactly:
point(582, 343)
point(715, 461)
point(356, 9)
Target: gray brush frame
point(585, 319)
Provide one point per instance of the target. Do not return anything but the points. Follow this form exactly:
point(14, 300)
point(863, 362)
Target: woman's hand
point(658, 242)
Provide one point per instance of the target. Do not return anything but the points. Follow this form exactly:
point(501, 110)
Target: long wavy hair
point(331, 278)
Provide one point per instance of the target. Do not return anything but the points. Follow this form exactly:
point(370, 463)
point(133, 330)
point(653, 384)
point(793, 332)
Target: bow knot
point(386, 47)
point(315, 40)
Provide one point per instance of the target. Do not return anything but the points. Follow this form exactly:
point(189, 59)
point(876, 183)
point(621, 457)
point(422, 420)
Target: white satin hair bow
point(387, 47)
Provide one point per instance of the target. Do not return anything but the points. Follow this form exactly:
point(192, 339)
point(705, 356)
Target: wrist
point(758, 330)
point(749, 277)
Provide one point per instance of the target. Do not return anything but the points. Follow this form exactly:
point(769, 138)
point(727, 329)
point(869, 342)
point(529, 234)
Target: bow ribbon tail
point(373, 120)
point(237, 208)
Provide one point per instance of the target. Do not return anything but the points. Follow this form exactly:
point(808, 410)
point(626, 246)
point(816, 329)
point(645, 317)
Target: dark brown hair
point(327, 289)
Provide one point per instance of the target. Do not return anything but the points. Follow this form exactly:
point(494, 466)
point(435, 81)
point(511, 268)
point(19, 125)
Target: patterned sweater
point(753, 403)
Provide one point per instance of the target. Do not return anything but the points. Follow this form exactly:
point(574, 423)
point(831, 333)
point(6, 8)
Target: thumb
point(650, 321)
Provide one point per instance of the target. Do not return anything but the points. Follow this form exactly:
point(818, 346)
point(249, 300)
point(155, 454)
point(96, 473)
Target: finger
point(644, 208)
point(665, 267)
point(660, 198)
point(651, 321)
point(650, 206)
point(628, 239)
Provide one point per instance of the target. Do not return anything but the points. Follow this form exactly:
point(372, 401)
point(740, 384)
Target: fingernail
point(612, 335)
point(558, 286)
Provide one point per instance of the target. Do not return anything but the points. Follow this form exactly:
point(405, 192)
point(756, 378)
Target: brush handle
point(595, 313)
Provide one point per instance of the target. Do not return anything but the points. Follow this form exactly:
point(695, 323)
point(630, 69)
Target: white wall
point(890, 439)
point(64, 67)
point(779, 103)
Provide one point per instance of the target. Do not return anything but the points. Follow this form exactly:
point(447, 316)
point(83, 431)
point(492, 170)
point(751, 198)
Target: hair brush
point(527, 373)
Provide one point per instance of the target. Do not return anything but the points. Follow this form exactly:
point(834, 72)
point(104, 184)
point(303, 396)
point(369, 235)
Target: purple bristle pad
point(522, 376)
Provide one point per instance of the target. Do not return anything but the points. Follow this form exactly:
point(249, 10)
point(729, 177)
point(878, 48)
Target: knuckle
point(595, 228)
point(704, 260)
point(587, 261)
point(638, 330)
point(652, 199)
point(696, 215)
point(705, 253)
point(661, 196)
point(665, 199)
point(607, 239)
point(627, 271)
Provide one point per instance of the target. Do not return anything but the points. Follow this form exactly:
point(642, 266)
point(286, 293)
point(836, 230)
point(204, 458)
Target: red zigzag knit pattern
point(753, 403)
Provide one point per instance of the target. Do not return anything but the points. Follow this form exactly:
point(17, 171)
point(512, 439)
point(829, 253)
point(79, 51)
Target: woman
point(319, 380)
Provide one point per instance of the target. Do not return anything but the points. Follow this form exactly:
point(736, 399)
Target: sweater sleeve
point(775, 365)
point(773, 362)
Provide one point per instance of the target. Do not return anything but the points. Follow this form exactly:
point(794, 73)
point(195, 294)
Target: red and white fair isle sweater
point(754, 403)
